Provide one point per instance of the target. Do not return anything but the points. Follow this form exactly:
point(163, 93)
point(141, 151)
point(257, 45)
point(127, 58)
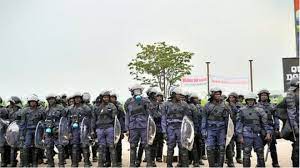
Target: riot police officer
point(103, 122)
point(234, 109)
point(198, 142)
point(121, 117)
point(137, 112)
point(159, 135)
point(172, 115)
point(14, 109)
point(4, 148)
point(54, 112)
point(252, 128)
point(273, 121)
point(30, 118)
point(214, 126)
point(77, 113)
point(288, 110)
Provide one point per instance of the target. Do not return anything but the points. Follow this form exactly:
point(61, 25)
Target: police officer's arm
point(276, 118)
point(122, 116)
point(239, 124)
point(195, 118)
point(204, 121)
point(94, 118)
point(114, 110)
point(164, 118)
point(126, 115)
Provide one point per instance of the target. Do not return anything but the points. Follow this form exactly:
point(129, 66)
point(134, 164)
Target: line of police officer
point(256, 124)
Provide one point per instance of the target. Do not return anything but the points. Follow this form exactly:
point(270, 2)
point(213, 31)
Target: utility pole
point(251, 75)
point(207, 70)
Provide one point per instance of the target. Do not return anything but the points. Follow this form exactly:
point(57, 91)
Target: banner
point(193, 80)
point(229, 80)
point(290, 70)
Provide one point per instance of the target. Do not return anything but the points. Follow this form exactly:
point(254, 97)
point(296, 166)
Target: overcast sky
point(64, 46)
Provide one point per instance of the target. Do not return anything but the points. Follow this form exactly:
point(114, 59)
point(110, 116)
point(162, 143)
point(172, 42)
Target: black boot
point(221, 156)
point(211, 158)
point(139, 155)
point(74, 156)
point(100, 156)
point(61, 156)
point(170, 154)
point(86, 156)
point(3, 160)
point(148, 156)
point(35, 157)
point(24, 157)
point(195, 157)
point(49, 155)
point(239, 153)
point(260, 158)
point(274, 157)
point(184, 157)
point(113, 155)
point(132, 155)
point(246, 162)
point(13, 161)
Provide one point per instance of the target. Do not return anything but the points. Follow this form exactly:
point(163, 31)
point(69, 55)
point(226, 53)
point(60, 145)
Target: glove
point(122, 136)
point(241, 140)
point(93, 135)
point(165, 136)
point(127, 133)
point(204, 134)
point(268, 137)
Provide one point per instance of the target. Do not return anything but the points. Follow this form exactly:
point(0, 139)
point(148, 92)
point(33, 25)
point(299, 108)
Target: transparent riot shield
point(117, 130)
point(63, 131)
point(12, 134)
point(85, 131)
point(39, 136)
point(151, 130)
point(187, 133)
point(230, 131)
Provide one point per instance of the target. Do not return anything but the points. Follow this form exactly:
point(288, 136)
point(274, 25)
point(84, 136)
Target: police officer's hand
point(93, 135)
point(165, 136)
point(127, 133)
point(268, 137)
point(204, 134)
point(242, 140)
point(296, 129)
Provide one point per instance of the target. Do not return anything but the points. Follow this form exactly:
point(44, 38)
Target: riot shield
point(12, 134)
point(39, 136)
point(187, 133)
point(117, 130)
point(63, 131)
point(151, 130)
point(230, 131)
point(85, 131)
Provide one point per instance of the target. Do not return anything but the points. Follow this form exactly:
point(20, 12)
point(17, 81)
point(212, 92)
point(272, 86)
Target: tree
point(160, 65)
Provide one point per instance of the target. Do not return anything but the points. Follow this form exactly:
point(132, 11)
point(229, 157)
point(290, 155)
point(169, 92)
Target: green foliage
point(160, 65)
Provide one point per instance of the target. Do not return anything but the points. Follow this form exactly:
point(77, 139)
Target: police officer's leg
point(238, 151)
point(259, 149)
point(229, 154)
point(195, 152)
point(211, 148)
point(203, 148)
point(12, 155)
point(101, 146)
point(295, 153)
point(160, 145)
point(61, 155)
point(109, 139)
point(3, 164)
point(86, 155)
point(171, 143)
point(140, 152)
point(183, 152)
point(133, 140)
point(247, 147)
point(119, 152)
point(273, 152)
point(49, 154)
point(94, 152)
point(221, 136)
point(199, 149)
point(74, 155)
point(154, 150)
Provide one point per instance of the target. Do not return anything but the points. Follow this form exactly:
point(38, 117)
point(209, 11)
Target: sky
point(64, 46)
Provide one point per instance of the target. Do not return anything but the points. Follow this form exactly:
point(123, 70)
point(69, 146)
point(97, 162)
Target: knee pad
point(222, 149)
point(247, 152)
